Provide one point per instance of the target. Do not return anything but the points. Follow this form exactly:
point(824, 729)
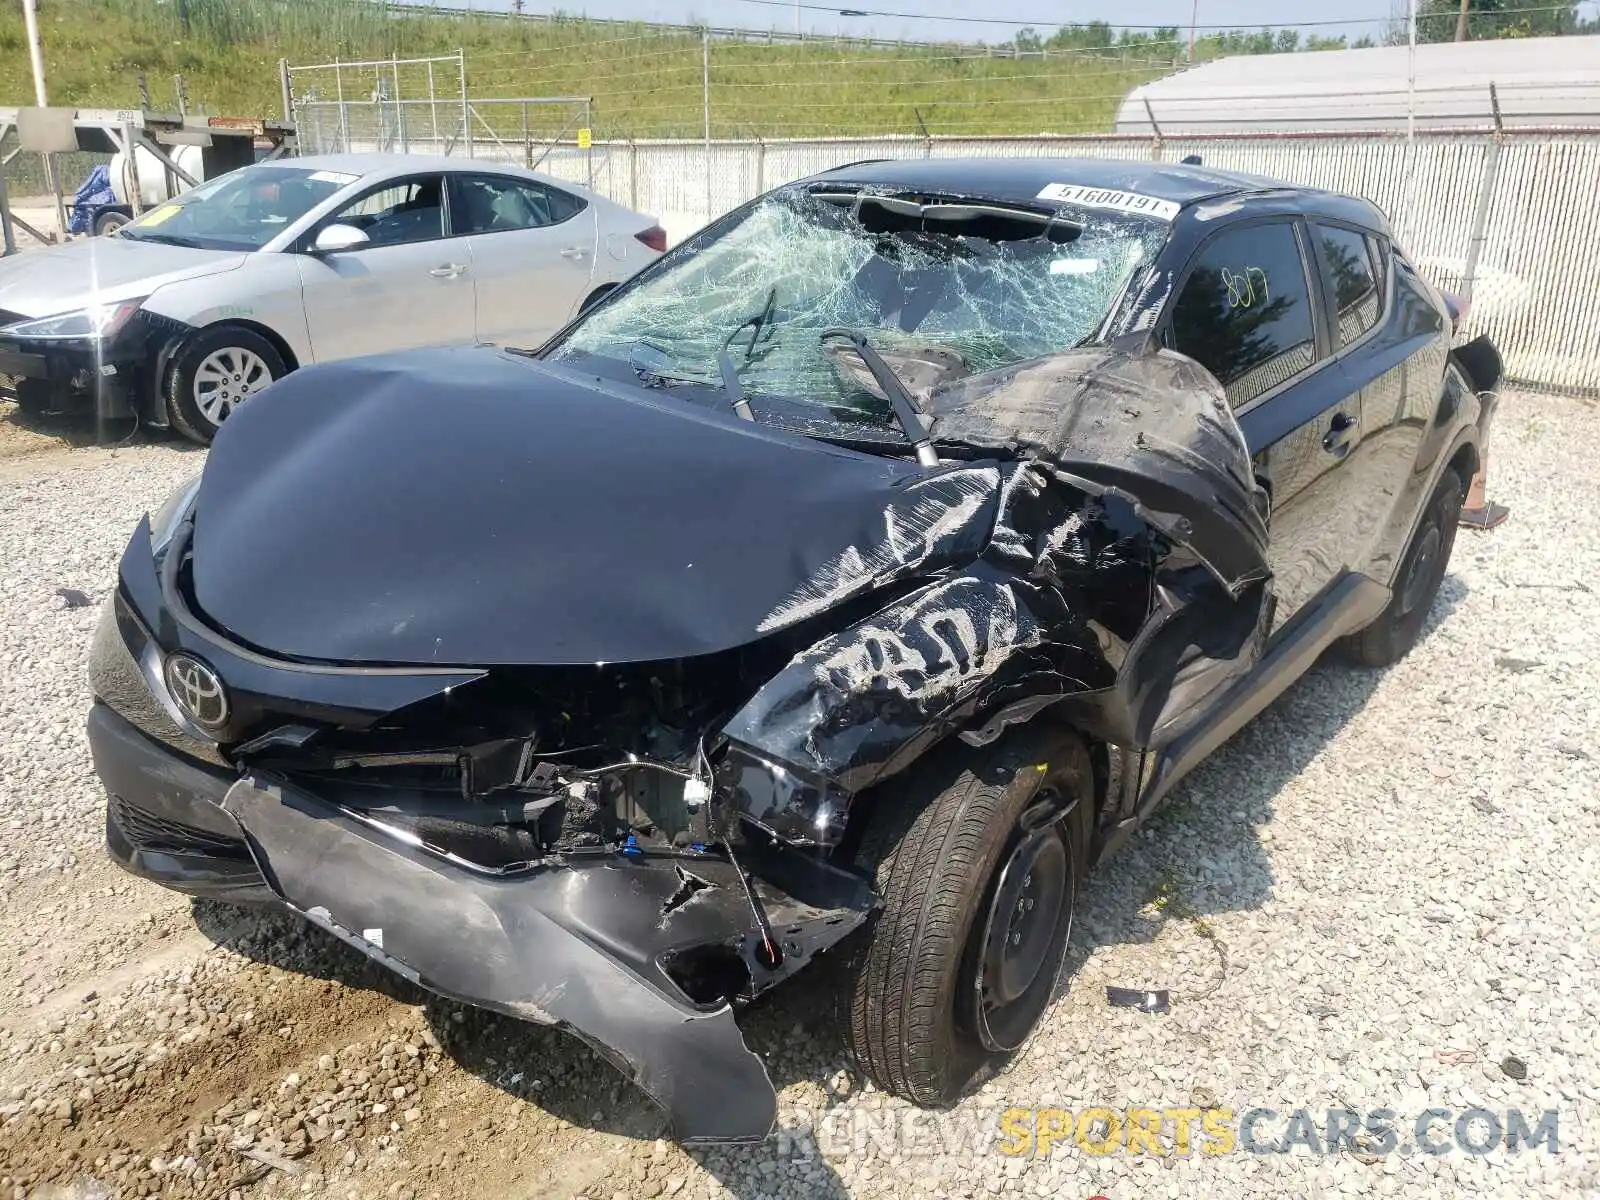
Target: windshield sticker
point(1128, 202)
point(338, 177)
point(157, 215)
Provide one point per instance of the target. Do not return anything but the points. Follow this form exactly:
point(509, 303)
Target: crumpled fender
point(1123, 559)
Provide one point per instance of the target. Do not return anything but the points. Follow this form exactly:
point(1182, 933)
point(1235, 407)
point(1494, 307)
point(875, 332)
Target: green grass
point(645, 82)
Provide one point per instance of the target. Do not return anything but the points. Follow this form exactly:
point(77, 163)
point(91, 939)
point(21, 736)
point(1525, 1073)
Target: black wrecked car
point(844, 586)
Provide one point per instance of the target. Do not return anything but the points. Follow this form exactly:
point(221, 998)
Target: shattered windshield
point(941, 288)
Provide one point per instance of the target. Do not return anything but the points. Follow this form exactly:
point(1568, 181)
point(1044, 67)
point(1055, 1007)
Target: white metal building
point(1540, 83)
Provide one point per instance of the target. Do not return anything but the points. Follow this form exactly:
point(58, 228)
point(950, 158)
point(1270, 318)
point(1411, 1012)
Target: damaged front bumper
point(610, 946)
point(71, 377)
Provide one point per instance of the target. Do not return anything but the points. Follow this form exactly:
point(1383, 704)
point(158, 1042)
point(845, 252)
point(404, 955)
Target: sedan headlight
point(97, 322)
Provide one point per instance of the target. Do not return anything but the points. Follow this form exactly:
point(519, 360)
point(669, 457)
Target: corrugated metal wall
point(1537, 279)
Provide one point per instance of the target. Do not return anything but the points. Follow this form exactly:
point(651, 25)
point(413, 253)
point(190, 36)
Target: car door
point(1391, 344)
point(1248, 310)
point(408, 285)
point(533, 249)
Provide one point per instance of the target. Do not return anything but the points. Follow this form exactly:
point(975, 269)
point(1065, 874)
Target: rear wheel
point(215, 372)
point(109, 222)
point(1388, 639)
point(979, 856)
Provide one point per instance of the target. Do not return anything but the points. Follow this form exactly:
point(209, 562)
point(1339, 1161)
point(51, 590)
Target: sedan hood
point(100, 270)
point(473, 507)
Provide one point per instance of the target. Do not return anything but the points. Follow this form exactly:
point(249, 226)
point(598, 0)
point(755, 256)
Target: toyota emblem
point(197, 691)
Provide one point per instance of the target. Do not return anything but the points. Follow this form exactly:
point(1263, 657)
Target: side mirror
point(333, 238)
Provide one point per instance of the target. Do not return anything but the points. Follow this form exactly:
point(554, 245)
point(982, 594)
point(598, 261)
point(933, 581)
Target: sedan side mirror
point(333, 238)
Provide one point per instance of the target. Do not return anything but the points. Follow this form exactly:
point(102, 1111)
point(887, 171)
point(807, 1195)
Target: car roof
point(1020, 180)
point(378, 163)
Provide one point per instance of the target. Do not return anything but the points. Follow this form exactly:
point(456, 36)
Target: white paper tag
point(1107, 198)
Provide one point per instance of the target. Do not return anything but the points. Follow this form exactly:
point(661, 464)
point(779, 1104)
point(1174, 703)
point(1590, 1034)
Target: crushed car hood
point(471, 507)
point(474, 507)
point(101, 270)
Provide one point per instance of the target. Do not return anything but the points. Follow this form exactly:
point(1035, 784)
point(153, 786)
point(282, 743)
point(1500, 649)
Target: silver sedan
point(189, 311)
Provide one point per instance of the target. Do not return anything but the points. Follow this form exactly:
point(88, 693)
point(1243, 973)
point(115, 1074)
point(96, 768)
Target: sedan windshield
point(242, 210)
point(939, 288)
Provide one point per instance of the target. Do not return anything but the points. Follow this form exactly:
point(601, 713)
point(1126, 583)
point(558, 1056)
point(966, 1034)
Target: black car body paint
point(582, 664)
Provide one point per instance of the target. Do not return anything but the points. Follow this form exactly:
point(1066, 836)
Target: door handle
point(1340, 430)
point(449, 271)
point(573, 251)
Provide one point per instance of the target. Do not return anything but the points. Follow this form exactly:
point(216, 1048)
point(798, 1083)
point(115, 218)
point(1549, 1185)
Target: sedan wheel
point(216, 371)
point(225, 379)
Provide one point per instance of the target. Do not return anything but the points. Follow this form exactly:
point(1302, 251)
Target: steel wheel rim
point(1422, 570)
point(1011, 995)
point(225, 379)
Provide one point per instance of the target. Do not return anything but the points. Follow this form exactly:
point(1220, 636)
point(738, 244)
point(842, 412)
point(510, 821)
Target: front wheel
point(215, 372)
point(979, 857)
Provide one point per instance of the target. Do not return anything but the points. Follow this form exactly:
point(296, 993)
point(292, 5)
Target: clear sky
point(935, 23)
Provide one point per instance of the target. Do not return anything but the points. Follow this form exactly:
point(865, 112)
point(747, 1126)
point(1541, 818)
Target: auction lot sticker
point(1108, 198)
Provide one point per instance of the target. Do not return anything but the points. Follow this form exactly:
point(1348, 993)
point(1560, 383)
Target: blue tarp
point(92, 195)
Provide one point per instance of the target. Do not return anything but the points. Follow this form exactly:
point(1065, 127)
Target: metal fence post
point(633, 174)
point(1480, 213)
point(466, 113)
point(344, 120)
point(288, 93)
point(761, 165)
point(705, 104)
point(1156, 141)
point(399, 105)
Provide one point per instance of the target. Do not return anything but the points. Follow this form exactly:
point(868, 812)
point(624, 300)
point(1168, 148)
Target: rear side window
point(1354, 279)
point(1245, 310)
point(494, 204)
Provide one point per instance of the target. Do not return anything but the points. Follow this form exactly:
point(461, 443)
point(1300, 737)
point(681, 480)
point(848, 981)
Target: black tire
point(206, 350)
point(1388, 639)
point(110, 222)
point(943, 841)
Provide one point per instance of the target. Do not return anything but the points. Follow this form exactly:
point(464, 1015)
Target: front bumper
point(70, 377)
point(590, 944)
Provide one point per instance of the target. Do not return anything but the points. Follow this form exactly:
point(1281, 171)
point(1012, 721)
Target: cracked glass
point(942, 288)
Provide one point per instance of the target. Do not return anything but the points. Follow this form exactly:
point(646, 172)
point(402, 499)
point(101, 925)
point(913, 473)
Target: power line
point(1056, 22)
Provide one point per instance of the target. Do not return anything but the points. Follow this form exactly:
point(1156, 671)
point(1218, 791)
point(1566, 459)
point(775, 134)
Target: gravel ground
point(1384, 894)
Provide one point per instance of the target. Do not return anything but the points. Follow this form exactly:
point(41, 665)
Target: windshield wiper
point(756, 324)
point(657, 375)
point(166, 239)
point(731, 384)
point(900, 399)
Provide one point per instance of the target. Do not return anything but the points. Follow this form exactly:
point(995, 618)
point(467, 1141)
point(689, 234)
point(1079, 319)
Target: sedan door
point(1248, 312)
point(408, 285)
point(533, 246)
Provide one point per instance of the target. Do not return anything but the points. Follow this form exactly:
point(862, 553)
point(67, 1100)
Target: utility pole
point(30, 17)
point(1461, 21)
point(1194, 17)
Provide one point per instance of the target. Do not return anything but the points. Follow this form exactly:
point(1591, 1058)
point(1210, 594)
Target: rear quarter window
point(1354, 278)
